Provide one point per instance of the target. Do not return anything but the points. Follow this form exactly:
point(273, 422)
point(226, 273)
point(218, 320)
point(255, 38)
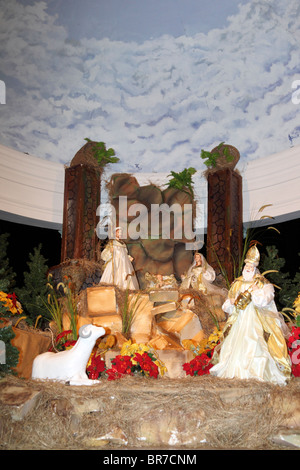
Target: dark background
point(21, 242)
point(24, 238)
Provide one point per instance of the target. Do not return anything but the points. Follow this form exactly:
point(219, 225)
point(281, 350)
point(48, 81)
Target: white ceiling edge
point(32, 189)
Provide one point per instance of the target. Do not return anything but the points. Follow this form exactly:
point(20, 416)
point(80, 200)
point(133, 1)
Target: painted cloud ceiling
point(157, 83)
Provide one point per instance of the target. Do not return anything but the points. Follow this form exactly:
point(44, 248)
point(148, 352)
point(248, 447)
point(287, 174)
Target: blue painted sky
point(156, 80)
point(140, 20)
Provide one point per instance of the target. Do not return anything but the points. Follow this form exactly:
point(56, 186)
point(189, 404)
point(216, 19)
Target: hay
point(229, 420)
point(202, 309)
point(79, 271)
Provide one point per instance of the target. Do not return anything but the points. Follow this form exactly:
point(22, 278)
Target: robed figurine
point(118, 269)
point(201, 276)
point(254, 344)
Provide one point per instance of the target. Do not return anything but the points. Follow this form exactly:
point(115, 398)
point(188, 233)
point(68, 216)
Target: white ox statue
point(70, 365)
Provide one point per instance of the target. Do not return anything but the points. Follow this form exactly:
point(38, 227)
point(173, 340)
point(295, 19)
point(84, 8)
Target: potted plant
point(183, 180)
point(221, 157)
point(102, 155)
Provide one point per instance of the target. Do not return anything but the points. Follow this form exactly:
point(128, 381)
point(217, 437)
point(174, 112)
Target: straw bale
point(203, 412)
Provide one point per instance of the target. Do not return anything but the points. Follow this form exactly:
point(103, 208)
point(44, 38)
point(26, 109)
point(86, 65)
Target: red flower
point(113, 374)
point(122, 364)
point(154, 371)
point(69, 343)
point(144, 360)
point(62, 335)
point(146, 364)
point(296, 370)
point(293, 344)
point(13, 297)
point(96, 367)
point(200, 365)
point(294, 336)
point(59, 344)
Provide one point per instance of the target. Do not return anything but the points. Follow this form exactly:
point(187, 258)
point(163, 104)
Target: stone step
point(19, 399)
point(164, 308)
point(163, 296)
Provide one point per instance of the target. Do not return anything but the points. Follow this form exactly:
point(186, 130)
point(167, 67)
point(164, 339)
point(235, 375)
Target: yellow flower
point(9, 304)
point(125, 348)
point(129, 349)
point(162, 368)
point(204, 345)
point(3, 296)
point(297, 304)
point(214, 337)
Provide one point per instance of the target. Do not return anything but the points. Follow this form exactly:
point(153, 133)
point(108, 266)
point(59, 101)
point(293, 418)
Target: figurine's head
point(249, 271)
point(251, 262)
point(198, 259)
point(252, 256)
point(118, 232)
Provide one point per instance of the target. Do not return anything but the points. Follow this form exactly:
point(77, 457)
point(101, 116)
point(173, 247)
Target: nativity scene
point(149, 307)
point(173, 296)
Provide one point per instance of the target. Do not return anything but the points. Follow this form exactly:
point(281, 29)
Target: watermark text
point(296, 93)
point(2, 92)
point(161, 221)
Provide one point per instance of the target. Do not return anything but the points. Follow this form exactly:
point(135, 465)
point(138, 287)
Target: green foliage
point(33, 294)
point(212, 157)
point(70, 302)
point(53, 307)
point(103, 156)
point(288, 287)
point(129, 309)
point(61, 298)
point(253, 235)
point(4, 283)
point(183, 180)
point(7, 276)
point(10, 358)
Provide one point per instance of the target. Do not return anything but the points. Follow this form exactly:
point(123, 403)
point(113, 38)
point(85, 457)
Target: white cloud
point(157, 103)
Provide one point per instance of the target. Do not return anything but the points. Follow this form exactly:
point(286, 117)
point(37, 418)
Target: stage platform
point(139, 413)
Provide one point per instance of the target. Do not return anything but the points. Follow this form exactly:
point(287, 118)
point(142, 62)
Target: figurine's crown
point(253, 256)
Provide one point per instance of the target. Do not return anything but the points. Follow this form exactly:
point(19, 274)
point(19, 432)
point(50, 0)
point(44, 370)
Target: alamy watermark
point(2, 352)
point(295, 356)
point(2, 92)
point(161, 222)
point(296, 93)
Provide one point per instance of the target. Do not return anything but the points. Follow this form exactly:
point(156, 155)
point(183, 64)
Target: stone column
point(81, 199)
point(225, 220)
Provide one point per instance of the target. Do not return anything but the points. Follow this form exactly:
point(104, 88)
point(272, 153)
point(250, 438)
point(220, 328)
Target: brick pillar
point(225, 220)
point(81, 199)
